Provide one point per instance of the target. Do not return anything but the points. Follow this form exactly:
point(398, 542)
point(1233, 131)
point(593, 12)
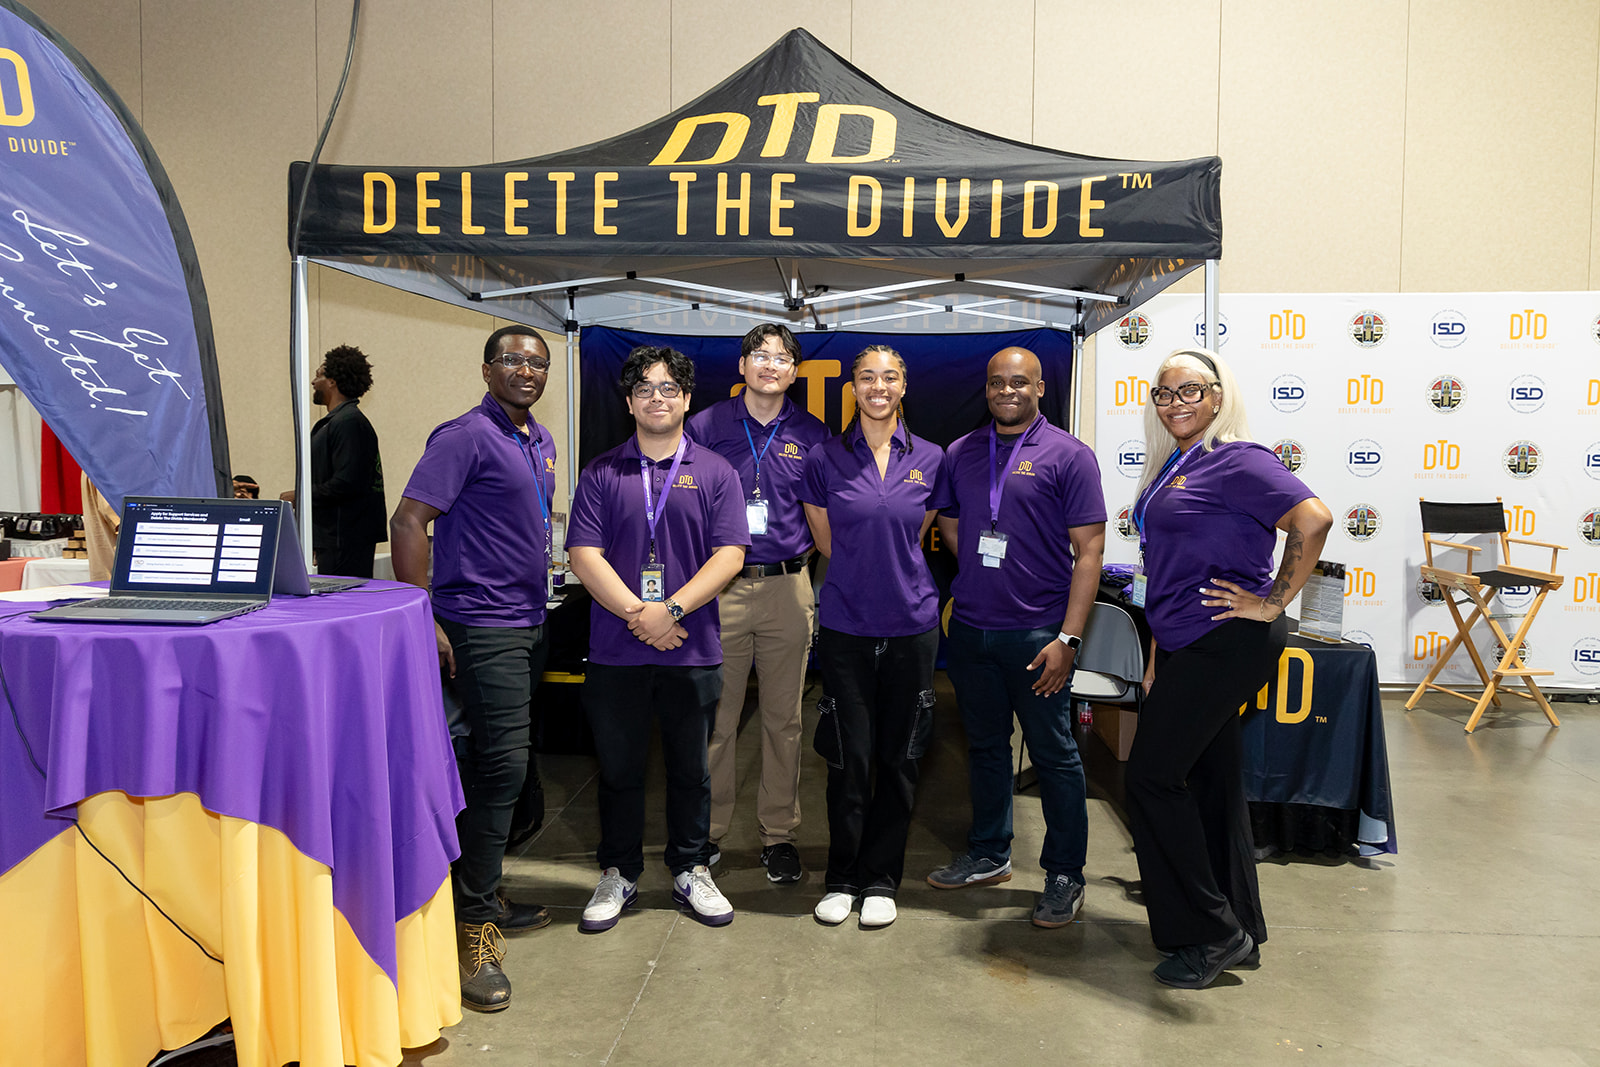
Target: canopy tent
point(798, 190)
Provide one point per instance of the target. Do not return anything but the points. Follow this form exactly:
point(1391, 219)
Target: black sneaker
point(1197, 966)
point(782, 862)
point(1060, 903)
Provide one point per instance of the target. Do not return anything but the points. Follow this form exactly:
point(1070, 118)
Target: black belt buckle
point(768, 570)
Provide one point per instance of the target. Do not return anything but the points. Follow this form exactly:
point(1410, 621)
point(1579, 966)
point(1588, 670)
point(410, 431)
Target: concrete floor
point(1477, 944)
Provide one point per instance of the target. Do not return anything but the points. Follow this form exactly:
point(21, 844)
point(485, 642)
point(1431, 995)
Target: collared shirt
point(722, 427)
point(878, 582)
point(348, 508)
point(703, 512)
point(1051, 485)
point(1215, 518)
point(491, 556)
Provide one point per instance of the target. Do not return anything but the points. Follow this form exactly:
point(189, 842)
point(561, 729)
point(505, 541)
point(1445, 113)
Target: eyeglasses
point(516, 361)
point(781, 361)
point(645, 390)
point(1188, 392)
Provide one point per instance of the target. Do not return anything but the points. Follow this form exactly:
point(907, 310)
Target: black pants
point(621, 702)
point(497, 670)
point(349, 561)
point(1185, 786)
point(874, 721)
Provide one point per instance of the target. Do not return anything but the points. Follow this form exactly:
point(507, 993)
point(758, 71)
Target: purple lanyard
point(997, 484)
point(1174, 463)
point(652, 510)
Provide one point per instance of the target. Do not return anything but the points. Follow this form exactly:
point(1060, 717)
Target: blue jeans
point(988, 669)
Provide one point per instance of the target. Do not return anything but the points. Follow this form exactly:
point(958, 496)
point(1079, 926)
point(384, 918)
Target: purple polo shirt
point(878, 582)
point(704, 512)
point(1051, 486)
point(1213, 517)
point(491, 557)
point(782, 445)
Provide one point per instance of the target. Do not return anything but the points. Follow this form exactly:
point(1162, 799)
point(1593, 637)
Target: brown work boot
point(479, 949)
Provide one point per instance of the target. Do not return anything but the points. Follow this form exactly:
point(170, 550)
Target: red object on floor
point(59, 491)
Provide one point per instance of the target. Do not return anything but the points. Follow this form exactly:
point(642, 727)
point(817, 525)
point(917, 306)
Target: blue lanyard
point(1174, 462)
point(760, 455)
point(538, 474)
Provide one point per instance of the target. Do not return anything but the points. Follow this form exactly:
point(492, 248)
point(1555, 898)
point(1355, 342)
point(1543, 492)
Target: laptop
point(187, 561)
point(290, 577)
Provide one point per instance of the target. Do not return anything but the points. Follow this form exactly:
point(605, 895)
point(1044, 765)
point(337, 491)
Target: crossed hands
point(653, 624)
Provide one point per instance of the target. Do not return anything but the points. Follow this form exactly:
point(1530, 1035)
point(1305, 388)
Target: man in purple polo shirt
point(1027, 502)
point(767, 610)
point(657, 529)
point(486, 481)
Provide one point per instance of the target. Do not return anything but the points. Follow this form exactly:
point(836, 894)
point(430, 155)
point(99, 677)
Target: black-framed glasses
point(1188, 392)
point(646, 390)
point(516, 361)
point(780, 360)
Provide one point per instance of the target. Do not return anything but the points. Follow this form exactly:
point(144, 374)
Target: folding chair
point(1478, 586)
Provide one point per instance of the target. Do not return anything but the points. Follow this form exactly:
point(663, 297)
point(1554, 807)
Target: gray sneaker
point(970, 870)
point(1060, 903)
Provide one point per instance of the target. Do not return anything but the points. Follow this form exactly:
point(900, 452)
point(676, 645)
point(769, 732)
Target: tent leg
point(1213, 303)
point(572, 386)
point(300, 385)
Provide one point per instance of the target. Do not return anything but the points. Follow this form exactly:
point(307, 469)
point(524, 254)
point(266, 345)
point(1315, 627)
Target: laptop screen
point(203, 547)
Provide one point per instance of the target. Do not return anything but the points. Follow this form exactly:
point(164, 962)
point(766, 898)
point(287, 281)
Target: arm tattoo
point(1294, 546)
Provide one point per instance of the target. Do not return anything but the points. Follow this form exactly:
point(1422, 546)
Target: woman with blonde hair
point(1210, 504)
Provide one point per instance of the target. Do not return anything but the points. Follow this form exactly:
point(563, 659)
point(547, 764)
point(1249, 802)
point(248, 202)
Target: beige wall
point(1372, 145)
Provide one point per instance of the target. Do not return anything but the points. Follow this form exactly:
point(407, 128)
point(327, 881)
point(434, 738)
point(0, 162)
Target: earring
point(1216, 409)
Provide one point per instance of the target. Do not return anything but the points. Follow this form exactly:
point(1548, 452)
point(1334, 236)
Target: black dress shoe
point(519, 918)
point(480, 950)
point(1197, 966)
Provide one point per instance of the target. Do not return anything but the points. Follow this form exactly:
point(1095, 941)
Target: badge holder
point(992, 547)
point(652, 583)
point(755, 513)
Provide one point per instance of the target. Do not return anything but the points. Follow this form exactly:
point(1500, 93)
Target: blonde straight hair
point(1229, 425)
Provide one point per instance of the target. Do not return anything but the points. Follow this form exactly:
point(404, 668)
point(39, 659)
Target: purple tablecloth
point(319, 717)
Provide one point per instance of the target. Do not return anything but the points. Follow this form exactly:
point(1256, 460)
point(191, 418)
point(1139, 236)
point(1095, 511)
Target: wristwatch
point(674, 609)
point(1072, 641)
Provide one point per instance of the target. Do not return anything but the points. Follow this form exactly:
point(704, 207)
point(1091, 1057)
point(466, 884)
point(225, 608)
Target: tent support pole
point(572, 383)
point(1213, 301)
point(300, 375)
point(1078, 340)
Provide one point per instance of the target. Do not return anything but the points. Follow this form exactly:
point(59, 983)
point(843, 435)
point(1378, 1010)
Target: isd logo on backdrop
point(1289, 393)
point(1124, 524)
point(1367, 329)
point(1521, 459)
point(1525, 394)
point(1591, 461)
point(1586, 655)
point(1130, 458)
point(1362, 523)
point(1200, 331)
point(1358, 637)
point(1448, 329)
point(1290, 453)
point(1364, 458)
point(1516, 597)
point(1133, 331)
point(1447, 393)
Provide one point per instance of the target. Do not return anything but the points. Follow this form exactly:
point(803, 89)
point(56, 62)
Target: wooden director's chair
point(1478, 587)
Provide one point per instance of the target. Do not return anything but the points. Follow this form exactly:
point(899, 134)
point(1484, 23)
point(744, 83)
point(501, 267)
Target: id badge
point(755, 513)
point(992, 548)
point(1138, 588)
point(652, 584)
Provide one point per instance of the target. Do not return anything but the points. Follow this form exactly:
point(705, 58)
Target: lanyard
point(1173, 464)
point(652, 510)
point(760, 455)
point(538, 477)
point(997, 484)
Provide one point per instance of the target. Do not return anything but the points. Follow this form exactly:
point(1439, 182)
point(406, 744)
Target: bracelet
point(1072, 641)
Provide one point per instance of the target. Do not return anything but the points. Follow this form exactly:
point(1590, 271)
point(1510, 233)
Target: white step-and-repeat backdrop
point(1378, 400)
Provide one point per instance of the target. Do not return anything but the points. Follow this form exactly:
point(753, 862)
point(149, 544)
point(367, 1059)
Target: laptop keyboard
point(163, 604)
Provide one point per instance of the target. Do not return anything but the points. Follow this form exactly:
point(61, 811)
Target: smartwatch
point(674, 609)
point(1072, 641)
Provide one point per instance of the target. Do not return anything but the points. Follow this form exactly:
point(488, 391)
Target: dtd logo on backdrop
point(1425, 648)
point(1441, 459)
point(1365, 395)
point(1586, 655)
point(1200, 331)
point(1521, 459)
point(1449, 329)
point(1528, 328)
point(1286, 329)
point(1364, 457)
point(1123, 524)
point(1129, 392)
point(1367, 329)
point(1525, 394)
point(1362, 523)
point(1290, 453)
point(1585, 592)
point(1520, 521)
point(1133, 331)
point(1447, 393)
point(1289, 393)
point(1361, 587)
point(1130, 458)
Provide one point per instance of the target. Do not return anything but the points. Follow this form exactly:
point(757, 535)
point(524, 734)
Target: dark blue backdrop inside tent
point(944, 377)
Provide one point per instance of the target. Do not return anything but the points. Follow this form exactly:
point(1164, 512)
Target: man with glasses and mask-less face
point(767, 610)
point(658, 529)
point(1028, 529)
point(486, 481)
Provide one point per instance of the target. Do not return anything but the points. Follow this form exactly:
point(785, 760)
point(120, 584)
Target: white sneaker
point(833, 909)
point(611, 896)
point(877, 911)
point(695, 890)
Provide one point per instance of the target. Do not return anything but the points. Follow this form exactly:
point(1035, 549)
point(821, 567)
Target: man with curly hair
point(348, 514)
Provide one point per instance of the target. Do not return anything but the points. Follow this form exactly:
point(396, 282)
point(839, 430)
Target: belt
point(767, 570)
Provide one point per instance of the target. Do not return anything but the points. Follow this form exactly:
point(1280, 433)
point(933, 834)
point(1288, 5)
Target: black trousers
point(873, 725)
point(497, 670)
point(348, 561)
point(621, 703)
point(1185, 786)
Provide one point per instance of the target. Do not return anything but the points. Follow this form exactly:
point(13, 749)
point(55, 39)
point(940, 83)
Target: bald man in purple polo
point(1028, 529)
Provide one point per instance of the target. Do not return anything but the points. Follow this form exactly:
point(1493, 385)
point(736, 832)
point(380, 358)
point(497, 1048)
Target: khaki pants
point(767, 622)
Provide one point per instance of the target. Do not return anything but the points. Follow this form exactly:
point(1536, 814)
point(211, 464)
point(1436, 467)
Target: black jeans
point(497, 670)
point(873, 721)
point(350, 561)
point(620, 703)
point(1185, 786)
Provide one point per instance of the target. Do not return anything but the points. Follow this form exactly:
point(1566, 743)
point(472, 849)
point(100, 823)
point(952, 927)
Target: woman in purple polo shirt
point(1210, 504)
point(870, 494)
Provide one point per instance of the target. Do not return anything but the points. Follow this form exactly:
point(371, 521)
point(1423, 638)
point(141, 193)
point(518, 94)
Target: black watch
point(674, 609)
